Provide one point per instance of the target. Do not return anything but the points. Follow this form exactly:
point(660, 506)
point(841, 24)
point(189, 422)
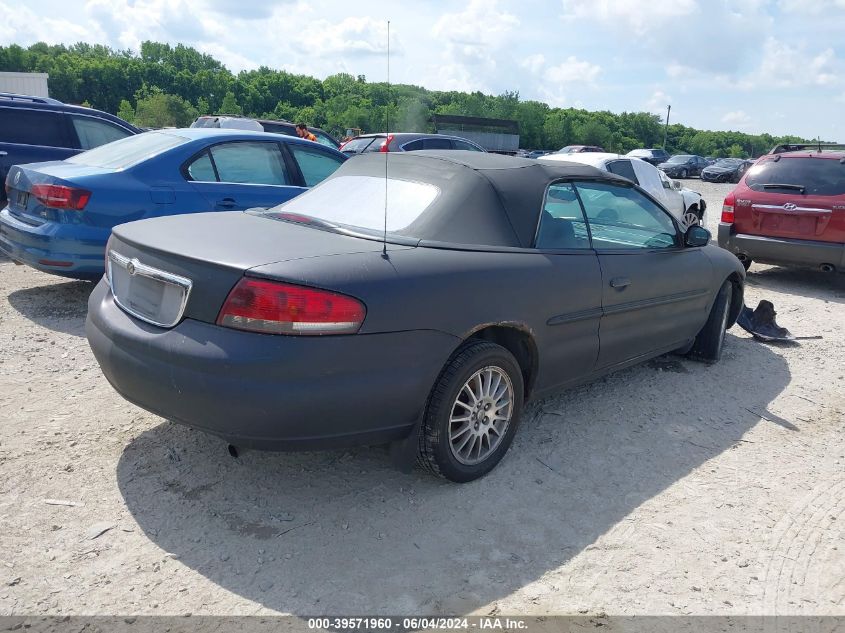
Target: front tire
point(473, 412)
point(711, 339)
point(684, 173)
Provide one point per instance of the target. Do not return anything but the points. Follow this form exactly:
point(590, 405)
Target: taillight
point(61, 197)
point(273, 307)
point(728, 209)
point(386, 145)
point(342, 145)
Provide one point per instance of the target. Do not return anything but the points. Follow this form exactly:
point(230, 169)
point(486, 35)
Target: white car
point(686, 205)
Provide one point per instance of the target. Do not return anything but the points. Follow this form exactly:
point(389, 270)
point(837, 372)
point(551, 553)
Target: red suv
point(789, 209)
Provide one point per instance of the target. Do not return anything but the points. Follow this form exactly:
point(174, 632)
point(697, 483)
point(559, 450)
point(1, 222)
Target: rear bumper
point(265, 391)
point(79, 248)
point(778, 250)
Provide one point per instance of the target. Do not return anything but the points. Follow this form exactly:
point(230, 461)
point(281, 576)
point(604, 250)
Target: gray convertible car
point(419, 301)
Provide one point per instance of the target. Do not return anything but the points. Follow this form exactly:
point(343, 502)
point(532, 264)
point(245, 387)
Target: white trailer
point(32, 84)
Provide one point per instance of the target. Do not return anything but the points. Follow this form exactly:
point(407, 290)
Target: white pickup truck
point(686, 205)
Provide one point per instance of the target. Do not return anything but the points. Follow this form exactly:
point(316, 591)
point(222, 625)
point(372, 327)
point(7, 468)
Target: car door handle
point(227, 203)
point(620, 282)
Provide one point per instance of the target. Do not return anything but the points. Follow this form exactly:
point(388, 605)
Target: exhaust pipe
point(827, 268)
point(233, 450)
point(742, 257)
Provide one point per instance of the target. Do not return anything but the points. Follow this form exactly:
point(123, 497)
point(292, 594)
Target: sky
point(754, 66)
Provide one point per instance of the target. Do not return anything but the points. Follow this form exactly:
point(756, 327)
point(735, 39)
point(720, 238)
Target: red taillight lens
point(385, 146)
point(272, 307)
point(728, 209)
point(61, 197)
point(342, 145)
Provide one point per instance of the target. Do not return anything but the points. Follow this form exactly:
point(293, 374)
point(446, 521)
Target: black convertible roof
point(485, 199)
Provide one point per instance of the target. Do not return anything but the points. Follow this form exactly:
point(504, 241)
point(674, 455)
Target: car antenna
point(386, 140)
point(819, 140)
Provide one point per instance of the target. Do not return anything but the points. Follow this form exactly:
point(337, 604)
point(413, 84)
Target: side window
point(32, 127)
point(623, 168)
point(623, 218)
point(562, 222)
point(201, 169)
point(278, 128)
point(315, 166)
point(250, 163)
point(437, 143)
point(94, 132)
point(413, 145)
point(464, 145)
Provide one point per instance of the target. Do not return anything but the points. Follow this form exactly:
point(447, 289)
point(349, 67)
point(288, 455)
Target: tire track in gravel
point(795, 540)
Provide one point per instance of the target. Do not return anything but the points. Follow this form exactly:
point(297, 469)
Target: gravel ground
point(670, 488)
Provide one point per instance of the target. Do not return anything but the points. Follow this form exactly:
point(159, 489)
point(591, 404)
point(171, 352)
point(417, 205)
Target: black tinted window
point(32, 127)
point(413, 145)
point(818, 176)
point(279, 128)
point(465, 145)
point(623, 168)
point(437, 143)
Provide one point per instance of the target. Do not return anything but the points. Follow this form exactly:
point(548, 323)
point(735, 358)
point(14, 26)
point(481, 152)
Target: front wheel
point(684, 173)
point(473, 413)
point(691, 217)
point(710, 340)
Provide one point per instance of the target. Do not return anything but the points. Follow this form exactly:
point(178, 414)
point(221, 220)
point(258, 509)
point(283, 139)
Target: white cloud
point(471, 41)
point(573, 70)
point(737, 118)
point(658, 101)
point(812, 7)
point(709, 35)
point(352, 35)
point(639, 16)
point(28, 27)
point(533, 63)
point(787, 66)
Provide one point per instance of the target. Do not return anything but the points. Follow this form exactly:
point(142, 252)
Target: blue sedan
point(60, 214)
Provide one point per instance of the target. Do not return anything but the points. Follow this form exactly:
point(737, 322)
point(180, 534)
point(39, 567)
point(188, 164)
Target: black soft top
point(485, 199)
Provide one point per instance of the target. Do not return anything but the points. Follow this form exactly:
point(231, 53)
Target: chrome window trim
point(782, 209)
point(153, 273)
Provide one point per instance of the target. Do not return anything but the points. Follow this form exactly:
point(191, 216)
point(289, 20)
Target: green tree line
point(164, 85)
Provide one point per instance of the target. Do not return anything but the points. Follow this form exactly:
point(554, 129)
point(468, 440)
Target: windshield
point(205, 121)
point(128, 151)
point(727, 162)
point(812, 176)
point(679, 159)
point(357, 145)
point(358, 202)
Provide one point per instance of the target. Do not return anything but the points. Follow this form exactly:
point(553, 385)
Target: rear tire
point(472, 414)
point(710, 340)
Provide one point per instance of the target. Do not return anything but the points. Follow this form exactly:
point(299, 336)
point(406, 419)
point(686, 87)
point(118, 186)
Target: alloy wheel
point(691, 218)
point(480, 415)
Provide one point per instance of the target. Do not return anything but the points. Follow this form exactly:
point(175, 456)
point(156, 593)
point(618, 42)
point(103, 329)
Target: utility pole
point(666, 129)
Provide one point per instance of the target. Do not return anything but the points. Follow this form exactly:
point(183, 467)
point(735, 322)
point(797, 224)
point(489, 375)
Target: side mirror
point(697, 236)
point(676, 185)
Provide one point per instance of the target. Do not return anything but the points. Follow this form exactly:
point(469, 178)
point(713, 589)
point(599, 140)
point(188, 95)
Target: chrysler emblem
point(130, 267)
point(17, 178)
point(790, 207)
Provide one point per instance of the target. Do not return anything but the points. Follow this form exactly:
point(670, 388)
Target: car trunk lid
point(196, 260)
point(24, 203)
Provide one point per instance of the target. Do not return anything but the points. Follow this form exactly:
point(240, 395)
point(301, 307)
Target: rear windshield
point(206, 121)
point(358, 145)
point(357, 202)
point(128, 151)
point(817, 176)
